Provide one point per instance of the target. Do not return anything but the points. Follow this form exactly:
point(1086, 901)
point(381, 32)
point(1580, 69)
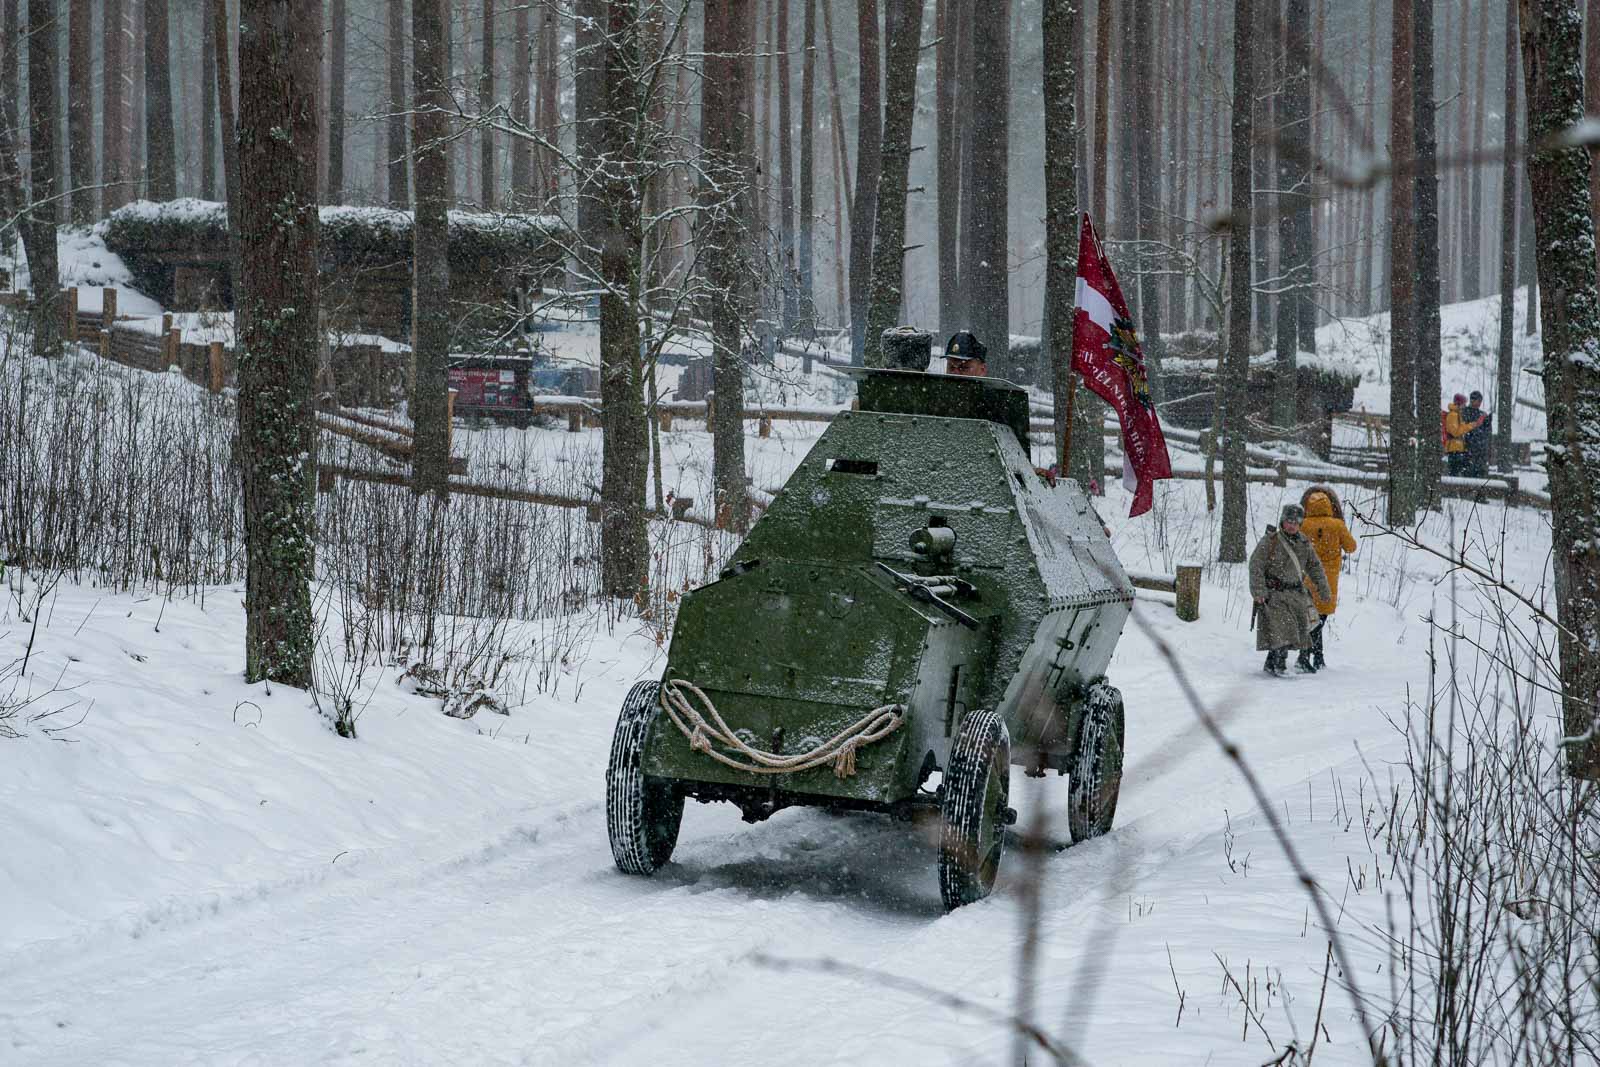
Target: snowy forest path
point(514, 940)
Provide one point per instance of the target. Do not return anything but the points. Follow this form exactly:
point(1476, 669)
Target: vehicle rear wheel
point(642, 813)
point(974, 809)
point(1096, 773)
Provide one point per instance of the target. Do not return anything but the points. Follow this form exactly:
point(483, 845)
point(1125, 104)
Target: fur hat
point(1327, 491)
point(1291, 513)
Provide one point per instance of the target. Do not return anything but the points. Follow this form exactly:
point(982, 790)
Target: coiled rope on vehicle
point(702, 729)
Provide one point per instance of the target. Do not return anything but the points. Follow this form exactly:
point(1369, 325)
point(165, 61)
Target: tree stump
point(1187, 588)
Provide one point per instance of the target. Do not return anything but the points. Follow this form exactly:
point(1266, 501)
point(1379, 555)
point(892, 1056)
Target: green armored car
point(916, 601)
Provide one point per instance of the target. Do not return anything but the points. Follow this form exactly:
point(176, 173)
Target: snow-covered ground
point(196, 870)
point(200, 872)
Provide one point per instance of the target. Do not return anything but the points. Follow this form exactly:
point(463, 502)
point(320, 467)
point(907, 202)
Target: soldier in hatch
point(1284, 613)
point(965, 355)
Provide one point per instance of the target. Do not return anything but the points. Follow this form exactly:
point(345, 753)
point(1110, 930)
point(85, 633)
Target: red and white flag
point(1105, 350)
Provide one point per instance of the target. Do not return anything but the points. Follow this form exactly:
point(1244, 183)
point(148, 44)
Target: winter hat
point(1476, 396)
point(1459, 399)
point(1291, 513)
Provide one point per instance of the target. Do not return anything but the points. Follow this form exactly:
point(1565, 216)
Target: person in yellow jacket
point(1324, 527)
point(1456, 428)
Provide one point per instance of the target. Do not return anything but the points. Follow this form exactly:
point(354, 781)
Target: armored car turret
point(918, 604)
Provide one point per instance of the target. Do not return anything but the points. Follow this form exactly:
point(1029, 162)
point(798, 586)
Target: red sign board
point(480, 388)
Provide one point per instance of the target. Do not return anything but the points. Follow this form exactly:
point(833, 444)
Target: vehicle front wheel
point(975, 809)
point(642, 813)
point(1096, 772)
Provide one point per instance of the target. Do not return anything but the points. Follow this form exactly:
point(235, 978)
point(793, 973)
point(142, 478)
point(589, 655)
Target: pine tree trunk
point(1426, 264)
point(1472, 213)
point(1234, 375)
point(947, 22)
point(869, 160)
point(1102, 111)
point(490, 193)
point(39, 229)
point(1505, 381)
point(835, 97)
point(1147, 120)
point(808, 177)
point(1264, 76)
point(588, 102)
point(1591, 79)
point(985, 275)
point(545, 161)
point(336, 95)
point(1370, 195)
point(966, 179)
point(11, 48)
point(1405, 435)
point(160, 160)
point(453, 149)
point(624, 551)
point(1570, 323)
point(729, 148)
point(80, 111)
point(904, 37)
point(399, 103)
point(1294, 207)
point(208, 101)
point(231, 188)
point(279, 50)
point(1059, 24)
point(786, 181)
point(1178, 289)
point(113, 106)
point(1300, 56)
point(430, 319)
point(521, 108)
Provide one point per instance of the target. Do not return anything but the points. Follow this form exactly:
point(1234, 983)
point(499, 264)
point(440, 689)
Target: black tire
point(642, 813)
point(1096, 773)
point(974, 809)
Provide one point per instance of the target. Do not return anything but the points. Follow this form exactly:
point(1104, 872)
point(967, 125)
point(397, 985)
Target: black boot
point(1276, 660)
point(1316, 644)
point(1303, 664)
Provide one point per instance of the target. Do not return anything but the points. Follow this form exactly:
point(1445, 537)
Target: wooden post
point(665, 417)
point(764, 427)
point(450, 420)
point(174, 347)
point(108, 307)
point(1282, 467)
point(71, 303)
point(324, 472)
point(105, 342)
point(574, 421)
point(215, 359)
point(166, 340)
point(711, 409)
point(1187, 589)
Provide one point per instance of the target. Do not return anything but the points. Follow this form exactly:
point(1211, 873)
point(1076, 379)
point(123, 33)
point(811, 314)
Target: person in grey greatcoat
point(1284, 613)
